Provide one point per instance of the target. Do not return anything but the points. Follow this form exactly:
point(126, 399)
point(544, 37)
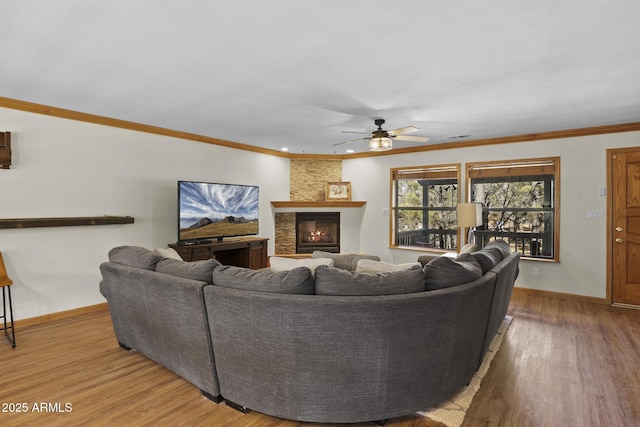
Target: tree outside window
point(424, 207)
point(520, 204)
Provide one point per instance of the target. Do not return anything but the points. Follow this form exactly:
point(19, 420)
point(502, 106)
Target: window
point(423, 205)
point(520, 202)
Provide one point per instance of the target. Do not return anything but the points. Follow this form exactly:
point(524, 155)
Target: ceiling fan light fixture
point(380, 144)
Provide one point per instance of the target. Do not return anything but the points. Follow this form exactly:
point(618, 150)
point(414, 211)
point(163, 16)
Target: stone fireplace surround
point(285, 223)
point(308, 179)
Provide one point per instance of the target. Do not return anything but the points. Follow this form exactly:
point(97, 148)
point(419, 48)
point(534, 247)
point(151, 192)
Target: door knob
point(618, 229)
point(619, 240)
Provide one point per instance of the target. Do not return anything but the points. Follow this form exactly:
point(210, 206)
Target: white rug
point(452, 412)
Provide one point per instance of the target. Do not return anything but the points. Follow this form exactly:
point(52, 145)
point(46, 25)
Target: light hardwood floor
point(562, 363)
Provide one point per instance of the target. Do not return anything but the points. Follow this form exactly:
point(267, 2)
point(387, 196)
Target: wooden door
point(625, 235)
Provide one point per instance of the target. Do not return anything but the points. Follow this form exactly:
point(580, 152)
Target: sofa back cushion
point(501, 245)
point(470, 247)
point(134, 256)
point(371, 266)
point(296, 281)
point(285, 264)
point(487, 258)
point(167, 253)
point(196, 270)
point(344, 261)
point(444, 272)
point(336, 281)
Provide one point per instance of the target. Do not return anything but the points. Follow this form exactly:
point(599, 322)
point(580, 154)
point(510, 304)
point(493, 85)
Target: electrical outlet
point(536, 271)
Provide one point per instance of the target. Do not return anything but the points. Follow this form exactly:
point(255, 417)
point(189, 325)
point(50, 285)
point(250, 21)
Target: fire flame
point(315, 235)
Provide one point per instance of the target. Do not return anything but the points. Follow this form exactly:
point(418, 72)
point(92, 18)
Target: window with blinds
point(423, 206)
point(521, 204)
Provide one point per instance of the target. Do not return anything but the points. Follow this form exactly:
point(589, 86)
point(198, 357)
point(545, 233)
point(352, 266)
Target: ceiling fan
point(382, 140)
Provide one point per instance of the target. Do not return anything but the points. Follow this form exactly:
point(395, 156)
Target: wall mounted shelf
point(318, 204)
point(64, 222)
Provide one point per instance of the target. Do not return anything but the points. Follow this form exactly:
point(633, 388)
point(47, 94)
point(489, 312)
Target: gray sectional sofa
point(314, 343)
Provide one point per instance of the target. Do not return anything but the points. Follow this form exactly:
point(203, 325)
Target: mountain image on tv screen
point(211, 210)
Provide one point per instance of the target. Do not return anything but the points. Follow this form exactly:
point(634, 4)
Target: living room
point(68, 168)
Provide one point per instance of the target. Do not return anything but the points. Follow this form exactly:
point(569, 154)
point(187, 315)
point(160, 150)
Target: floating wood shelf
point(64, 222)
point(319, 204)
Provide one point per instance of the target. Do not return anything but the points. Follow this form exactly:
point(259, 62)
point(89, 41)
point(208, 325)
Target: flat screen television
point(208, 211)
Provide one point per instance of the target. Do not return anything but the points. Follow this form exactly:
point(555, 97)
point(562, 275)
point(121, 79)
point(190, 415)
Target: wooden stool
point(5, 283)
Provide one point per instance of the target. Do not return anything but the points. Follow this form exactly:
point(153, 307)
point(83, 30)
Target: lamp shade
point(469, 214)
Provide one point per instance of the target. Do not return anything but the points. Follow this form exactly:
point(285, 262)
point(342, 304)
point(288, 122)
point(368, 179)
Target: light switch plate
point(595, 214)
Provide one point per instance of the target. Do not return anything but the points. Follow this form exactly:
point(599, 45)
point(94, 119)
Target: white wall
point(582, 266)
point(64, 168)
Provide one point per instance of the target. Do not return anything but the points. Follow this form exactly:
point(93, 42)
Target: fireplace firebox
point(317, 231)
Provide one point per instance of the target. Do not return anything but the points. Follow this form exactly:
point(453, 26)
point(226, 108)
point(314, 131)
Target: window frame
point(522, 167)
point(432, 172)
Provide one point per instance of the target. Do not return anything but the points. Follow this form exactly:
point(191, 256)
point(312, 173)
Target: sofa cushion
point(371, 266)
point(134, 256)
point(286, 264)
point(196, 270)
point(167, 253)
point(487, 258)
point(427, 258)
point(336, 281)
point(470, 247)
point(501, 245)
point(296, 281)
point(444, 272)
point(344, 261)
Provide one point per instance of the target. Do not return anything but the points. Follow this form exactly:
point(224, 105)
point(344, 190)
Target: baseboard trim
point(46, 318)
point(574, 297)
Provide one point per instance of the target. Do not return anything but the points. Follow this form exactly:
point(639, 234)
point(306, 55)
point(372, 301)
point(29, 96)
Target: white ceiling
point(296, 73)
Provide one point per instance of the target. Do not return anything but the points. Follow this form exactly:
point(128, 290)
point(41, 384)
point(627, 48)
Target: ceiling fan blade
point(406, 129)
point(413, 138)
point(350, 141)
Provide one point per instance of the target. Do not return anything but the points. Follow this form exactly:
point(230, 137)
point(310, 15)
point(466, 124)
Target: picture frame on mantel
point(338, 190)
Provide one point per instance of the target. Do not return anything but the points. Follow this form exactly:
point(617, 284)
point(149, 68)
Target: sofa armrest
point(163, 317)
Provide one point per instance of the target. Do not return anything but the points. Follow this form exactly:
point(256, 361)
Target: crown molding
point(528, 137)
point(139, 127)
point(123, 124)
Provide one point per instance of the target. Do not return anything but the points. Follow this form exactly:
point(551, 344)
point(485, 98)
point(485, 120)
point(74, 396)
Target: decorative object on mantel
point(5, 150)
point(340, 190)
point(64, 222)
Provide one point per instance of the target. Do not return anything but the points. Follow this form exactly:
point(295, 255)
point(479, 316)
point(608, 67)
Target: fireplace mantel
point(318, 204)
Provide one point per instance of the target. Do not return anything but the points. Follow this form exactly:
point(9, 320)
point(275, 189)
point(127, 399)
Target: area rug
point(452, 412)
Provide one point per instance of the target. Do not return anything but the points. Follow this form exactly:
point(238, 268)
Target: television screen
point(212, 211)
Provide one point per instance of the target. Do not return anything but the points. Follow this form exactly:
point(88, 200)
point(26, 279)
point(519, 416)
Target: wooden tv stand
point(250, 252)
